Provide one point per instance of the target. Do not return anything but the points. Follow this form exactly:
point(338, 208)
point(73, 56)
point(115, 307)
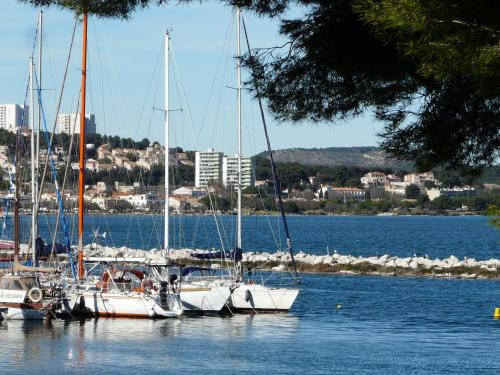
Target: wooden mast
point(82, 151)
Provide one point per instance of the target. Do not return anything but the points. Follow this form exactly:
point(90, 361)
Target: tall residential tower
point(13, 116)
point(230, 171)
point(208, 168)
point(69, 123)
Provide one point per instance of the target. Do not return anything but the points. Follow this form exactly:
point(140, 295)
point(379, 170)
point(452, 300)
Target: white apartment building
point(13, 116)
point(419, 178)
point(143, 201)
point(374, 179)
point(208, 168)
point(67, 122)
point(230, 171)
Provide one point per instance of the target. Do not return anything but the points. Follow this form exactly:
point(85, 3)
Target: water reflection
point(385, 326)
point(131, 342)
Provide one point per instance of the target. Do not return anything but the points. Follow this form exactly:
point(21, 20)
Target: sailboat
point(196, 295)
point(28, 292)
point(117, 292)
point(248, 296)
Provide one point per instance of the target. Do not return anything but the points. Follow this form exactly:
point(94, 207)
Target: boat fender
point(248, 295)
point(35, 295)
point(172, 279)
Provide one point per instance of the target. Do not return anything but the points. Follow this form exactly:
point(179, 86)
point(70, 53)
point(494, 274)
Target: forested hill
point(366, 157)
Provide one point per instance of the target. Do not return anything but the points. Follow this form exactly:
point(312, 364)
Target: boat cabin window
point(195, 272)
point(125, 282)
point(11, 284)
point(29, 282)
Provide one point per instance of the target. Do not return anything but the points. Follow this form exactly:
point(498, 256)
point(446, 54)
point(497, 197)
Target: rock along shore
point(385, 265)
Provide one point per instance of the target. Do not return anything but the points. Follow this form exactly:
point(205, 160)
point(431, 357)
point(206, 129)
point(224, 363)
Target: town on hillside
point(128, 176)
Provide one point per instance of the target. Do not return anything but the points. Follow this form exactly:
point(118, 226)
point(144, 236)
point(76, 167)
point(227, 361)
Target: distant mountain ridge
point(368, 157)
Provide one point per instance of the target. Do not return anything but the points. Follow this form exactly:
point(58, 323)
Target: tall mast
point(81, 186)
point(167, 161)
point(238, 93)
point(277, 185)
point(33, 185)
point(16, 201)
point(39, 101)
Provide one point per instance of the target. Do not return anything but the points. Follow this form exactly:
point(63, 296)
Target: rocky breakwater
point(386, 265)
point(380, 265)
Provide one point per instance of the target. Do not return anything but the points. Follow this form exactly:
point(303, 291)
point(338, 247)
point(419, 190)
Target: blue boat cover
point(235, 255)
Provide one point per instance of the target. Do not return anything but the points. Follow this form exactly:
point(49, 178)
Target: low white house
point(195, 192)
point(396, 188)
point(143, 201)
point(100, 201)
point(452, 192)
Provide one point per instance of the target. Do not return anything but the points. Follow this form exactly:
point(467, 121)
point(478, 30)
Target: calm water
point(358, 235)
point(385, 325)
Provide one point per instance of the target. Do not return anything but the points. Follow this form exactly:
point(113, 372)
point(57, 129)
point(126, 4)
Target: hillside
point(367, 157)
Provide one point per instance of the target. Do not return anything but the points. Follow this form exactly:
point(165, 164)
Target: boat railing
point(200, 278)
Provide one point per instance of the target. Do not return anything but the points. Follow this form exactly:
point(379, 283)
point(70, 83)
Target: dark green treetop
point(429, 69)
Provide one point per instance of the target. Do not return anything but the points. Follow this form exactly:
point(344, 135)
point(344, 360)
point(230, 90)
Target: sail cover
point(234, 255)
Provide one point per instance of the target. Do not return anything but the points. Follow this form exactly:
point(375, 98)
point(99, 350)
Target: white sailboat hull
point(117, 305)
point(18, 313)
point(206, 299)
point(12, 306)
point(257, 298)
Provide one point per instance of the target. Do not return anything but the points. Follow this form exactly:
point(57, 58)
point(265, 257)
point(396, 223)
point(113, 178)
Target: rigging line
point(127, 239)
point(219, 104)
point(55, 180)
point(278, 246)
point(212, 205)
point(99, 58)
point(92, 109)
point(176, 71)
point(184, 98)
point(273, 166)
point(148, 91)
point(45, 169)
point(47, 49)
point(103, 96)
point(180, 224)
point(212, 85)
point(195, 231)
point(157, 231)
point(276, 240)
point(37, 29)
point(46, 164)
point(154, 231)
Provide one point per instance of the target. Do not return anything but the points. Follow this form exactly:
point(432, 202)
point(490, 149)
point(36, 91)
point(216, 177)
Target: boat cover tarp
point(43, 250)
point(6, 245)
point(235, 255)
point(188, 270)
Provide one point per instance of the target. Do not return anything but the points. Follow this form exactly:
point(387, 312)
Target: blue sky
point(126, 77)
